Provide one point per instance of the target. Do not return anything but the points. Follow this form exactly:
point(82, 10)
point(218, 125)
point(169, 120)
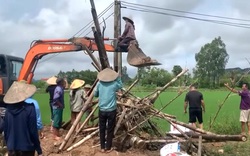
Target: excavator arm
point(41, 48)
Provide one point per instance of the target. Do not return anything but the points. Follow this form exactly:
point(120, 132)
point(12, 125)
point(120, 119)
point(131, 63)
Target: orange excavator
point(15, 68)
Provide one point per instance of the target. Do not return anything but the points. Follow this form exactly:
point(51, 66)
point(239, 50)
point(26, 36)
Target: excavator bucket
point(137, 58)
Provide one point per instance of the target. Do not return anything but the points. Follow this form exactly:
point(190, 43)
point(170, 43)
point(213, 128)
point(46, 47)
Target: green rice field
point(229, 113)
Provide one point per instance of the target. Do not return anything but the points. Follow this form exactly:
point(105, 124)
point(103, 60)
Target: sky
point(169, 39)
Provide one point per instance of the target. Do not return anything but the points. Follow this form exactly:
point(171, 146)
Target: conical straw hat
point(18, 92)
point(52, 80)
point(77, 83)
point(129, 19)
point(87, 86)
point(107, 75)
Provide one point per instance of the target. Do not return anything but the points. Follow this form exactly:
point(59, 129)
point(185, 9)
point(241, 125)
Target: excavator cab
point(10, 67)
point(136, 57)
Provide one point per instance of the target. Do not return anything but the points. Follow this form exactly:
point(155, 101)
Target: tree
point(155, 77)
point(39, 84)
point(87, 75)
point(176, 70)
point(210, 63)
point(125, 78)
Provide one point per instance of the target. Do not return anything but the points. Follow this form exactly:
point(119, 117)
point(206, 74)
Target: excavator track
point(137, 58)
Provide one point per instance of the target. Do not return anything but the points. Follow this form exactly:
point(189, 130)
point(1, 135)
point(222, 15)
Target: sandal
point(102, 151)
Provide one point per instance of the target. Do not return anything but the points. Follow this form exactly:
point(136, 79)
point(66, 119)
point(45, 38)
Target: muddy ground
point(50, 148)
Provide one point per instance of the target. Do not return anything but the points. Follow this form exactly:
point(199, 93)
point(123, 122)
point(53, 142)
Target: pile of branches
point(136, 126)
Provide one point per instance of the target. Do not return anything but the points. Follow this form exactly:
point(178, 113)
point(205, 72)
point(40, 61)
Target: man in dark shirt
point(195, 101)
point(244, 106)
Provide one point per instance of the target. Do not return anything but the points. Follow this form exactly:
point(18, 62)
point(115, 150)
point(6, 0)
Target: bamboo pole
point(158, 91)
point(185, 135)
point(200, 146)
point(188, 126)
point(96, 63)
point(89, 129)
point(86, 120)
point(120, 120)
point(83, 140)
point(132, 106)
point(215, 137)
point(131, 86)
point(164, 141)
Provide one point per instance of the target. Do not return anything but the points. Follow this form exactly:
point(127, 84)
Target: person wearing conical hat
point(50, 89)
point(109, 83)
point(127, 35)
point(58, 106)
point(77, 99)
point(20, 129)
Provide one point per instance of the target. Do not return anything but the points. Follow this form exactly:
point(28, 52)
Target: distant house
point(44, 79)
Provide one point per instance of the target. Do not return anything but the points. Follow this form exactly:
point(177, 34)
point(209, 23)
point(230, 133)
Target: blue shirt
point(58, 99)
point(38, 114)
point(106, 91)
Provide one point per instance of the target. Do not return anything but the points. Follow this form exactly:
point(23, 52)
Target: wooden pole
point(97, 64)
point(214, 137)
point(99, 38)
point(156, 93)
point(86, 120)
point(131, 86)
point(199, 146)
point(83, 140)
point(117, 33)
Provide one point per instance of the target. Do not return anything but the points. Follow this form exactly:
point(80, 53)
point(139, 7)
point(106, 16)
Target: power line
point(87, 26)
point(101, 22)
point(186, 12)
point(228, 23)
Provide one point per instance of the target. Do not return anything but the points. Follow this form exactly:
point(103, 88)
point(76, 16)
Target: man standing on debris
point(196, 104)
point(244, 106)
point(20, 128)
point(128, 34)
point(58, 106)
point(109, 83)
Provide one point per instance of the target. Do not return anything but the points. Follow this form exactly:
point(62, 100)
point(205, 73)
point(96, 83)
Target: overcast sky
point(170, 40)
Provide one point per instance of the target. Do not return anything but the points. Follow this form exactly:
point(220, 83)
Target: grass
point(227, 121)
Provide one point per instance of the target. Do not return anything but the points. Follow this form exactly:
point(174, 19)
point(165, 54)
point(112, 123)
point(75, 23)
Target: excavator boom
point(41, 48)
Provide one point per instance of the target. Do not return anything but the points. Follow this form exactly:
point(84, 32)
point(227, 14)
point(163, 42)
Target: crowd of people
point(22, 124)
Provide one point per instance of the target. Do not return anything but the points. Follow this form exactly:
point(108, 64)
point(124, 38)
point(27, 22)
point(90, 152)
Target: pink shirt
point(129, 31)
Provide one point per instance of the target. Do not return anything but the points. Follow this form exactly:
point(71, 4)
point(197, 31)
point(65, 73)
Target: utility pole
point(117, 33)
point(99, 38)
